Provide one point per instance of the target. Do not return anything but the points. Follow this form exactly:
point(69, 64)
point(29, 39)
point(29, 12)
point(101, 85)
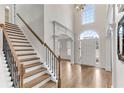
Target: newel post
point(21, 70)
point(1, 26)
point(59, 72)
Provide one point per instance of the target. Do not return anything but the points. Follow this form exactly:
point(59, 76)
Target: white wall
point(119, 65)
point(109, 31)
point(62, 13)
point(33, 14)
point(40, 17)
point(99, 26)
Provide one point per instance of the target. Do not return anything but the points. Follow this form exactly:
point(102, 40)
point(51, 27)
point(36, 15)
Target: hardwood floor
point(80, 76)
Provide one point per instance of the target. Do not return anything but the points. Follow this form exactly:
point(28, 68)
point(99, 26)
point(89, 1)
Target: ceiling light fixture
point(80, 7)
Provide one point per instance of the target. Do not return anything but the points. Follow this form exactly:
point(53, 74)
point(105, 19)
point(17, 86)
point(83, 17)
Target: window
point(88, 34)
point(88, 14)
point(68, 48)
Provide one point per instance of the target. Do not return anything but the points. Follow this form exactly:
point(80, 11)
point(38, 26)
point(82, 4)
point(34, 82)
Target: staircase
point(31, 72)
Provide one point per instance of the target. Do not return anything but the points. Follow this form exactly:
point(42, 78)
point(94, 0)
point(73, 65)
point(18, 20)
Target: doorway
point(90, 48)
point(64, 47)
point(7, 14)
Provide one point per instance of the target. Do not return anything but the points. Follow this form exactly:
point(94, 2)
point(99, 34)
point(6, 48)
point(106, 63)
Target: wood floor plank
point(82, 76)
point(49, 84)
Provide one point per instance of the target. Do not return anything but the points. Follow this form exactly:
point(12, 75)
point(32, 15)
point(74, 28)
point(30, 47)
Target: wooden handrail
point(50, 50)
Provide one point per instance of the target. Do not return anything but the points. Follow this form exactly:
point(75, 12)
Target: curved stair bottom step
point(49, 84)
point(42, 83)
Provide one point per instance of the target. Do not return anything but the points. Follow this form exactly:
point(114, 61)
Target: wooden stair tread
point(32, 64)
point(20, 41)
point(36, 81)
point(13, 29)
point(16, 35)
point(17, 38)
point(48, 84)
point(22, 45)
point(11, 26)
point(24, 49)
point(26, 54)
point(33, 72)
point(13, 32)
point(7, 23)
point(29, 59)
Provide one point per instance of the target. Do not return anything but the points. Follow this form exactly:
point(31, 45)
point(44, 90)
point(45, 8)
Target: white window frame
point(88, 15)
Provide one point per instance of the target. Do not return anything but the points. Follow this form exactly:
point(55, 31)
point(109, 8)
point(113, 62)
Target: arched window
point(88, 14)
point(88, 34)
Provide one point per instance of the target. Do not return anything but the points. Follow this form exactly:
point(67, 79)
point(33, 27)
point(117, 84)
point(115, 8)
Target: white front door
point(88, 52)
